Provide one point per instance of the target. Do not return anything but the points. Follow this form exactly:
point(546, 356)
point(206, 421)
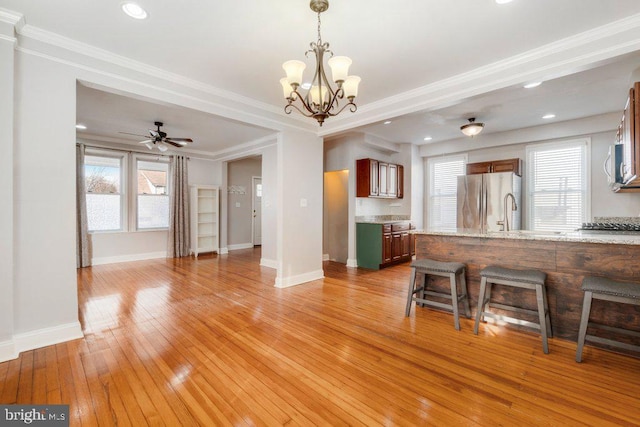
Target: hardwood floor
point(212, 342)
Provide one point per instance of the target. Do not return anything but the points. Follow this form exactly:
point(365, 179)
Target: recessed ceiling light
point(387, 122)
point(81, 127)
point(134, 10)
point(503, 1)
point(532, 85)
point(428, 138)
point(548, 116)
point(306, 86)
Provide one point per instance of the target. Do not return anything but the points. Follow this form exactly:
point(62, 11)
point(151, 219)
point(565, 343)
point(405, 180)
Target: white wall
point(45, 301)
point(270, 206)
point(7, 348)
point(138, 245)
point(239, 206)
point(300, 208)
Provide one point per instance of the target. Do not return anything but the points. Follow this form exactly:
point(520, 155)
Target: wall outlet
point(303, 203)
point(237, 204)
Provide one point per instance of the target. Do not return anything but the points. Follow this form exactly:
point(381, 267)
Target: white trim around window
point(559, 184)
point(442, 190)
point(123, 184)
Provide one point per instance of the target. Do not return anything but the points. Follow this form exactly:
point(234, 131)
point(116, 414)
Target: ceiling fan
point(160, 139)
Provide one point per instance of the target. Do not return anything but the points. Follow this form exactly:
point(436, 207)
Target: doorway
point(256, 220)
point(336, 216)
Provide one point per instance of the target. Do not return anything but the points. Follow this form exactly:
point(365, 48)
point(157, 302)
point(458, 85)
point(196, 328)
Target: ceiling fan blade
point(134, 134)
point(146, 141)
point(154, 133)
point(180, 139)
point(175, 144)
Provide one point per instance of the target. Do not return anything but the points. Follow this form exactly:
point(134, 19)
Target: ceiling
point(396, 47)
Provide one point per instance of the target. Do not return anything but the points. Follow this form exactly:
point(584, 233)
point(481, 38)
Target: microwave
point(614, 168)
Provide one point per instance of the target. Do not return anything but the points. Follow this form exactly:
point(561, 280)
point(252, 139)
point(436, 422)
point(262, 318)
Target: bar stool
point(526, 279)
point(608, 290)
point(452, 270)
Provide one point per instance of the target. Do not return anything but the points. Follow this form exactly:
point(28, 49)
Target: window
point(558, 185)
point(152, 194)
point(105, 192)
point(443, 182)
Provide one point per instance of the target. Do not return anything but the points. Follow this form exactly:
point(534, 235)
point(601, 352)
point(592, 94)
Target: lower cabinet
point(380, 245)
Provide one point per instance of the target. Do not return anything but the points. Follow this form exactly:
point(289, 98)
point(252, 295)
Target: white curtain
point(83, 239)
point(179, 233)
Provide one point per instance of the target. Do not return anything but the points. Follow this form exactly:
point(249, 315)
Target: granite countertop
point(580, 236)
point(382, 219)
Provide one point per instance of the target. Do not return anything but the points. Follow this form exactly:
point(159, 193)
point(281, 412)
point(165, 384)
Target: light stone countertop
point(581, 236)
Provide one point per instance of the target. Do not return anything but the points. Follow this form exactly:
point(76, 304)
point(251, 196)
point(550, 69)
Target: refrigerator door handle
point(483, 208)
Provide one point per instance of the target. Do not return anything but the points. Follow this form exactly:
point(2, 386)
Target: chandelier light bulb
point(350, 86)
point(340, 68)
point(294, 70)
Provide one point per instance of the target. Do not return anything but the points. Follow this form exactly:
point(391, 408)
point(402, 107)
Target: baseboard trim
point(271, 263)
point(39, 338)
point(240, 246)
point(223, 251)
point(128, 258)
point(8, 351)
point(325, 257)
point(285, 282)
point(353, 263)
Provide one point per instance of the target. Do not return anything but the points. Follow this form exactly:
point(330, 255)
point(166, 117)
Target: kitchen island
point(566, 258)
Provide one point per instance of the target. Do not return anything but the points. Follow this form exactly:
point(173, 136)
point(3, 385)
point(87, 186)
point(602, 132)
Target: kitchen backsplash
point(617, 219)
point(367, 206)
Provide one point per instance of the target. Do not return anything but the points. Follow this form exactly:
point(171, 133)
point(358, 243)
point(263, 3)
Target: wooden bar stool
point(452, 270)
point(527, 279)
point(608, 290)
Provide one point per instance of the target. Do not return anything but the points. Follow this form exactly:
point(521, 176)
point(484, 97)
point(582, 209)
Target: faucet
point(505, 223)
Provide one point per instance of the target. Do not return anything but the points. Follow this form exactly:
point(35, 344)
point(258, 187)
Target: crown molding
point(12, 18)
point(577, 51)
point(50, 38)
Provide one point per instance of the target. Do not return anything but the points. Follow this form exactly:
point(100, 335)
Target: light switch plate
point(303, 203)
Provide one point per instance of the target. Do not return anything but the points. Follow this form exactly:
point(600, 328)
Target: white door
point(256, 223)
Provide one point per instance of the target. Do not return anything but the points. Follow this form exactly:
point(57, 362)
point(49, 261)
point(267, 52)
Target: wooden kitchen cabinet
point(367, 178)
point(381, 245)
point(629, 136)
point(375, 178)
point(494, 166)
point(400, 194)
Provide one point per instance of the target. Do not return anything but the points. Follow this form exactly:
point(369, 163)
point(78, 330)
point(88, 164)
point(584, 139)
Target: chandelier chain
point(319, 36)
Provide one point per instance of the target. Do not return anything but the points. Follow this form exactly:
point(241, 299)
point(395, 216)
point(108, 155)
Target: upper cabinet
point(507, 165)
point(628, 167)
point(376, 178)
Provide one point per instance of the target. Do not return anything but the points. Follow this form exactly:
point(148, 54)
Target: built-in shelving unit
point(205, 203)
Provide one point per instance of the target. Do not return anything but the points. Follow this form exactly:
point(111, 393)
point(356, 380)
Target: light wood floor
point(212, 342)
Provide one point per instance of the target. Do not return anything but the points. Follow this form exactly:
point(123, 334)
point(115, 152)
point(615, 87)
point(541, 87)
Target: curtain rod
point(99, 147)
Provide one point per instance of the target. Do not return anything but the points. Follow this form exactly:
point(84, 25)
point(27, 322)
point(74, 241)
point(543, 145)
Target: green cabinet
point(379, 245)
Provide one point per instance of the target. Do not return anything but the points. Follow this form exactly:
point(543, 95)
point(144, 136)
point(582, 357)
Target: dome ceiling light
point(472, 128)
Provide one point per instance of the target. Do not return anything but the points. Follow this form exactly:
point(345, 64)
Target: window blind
point(558, 185)
point(443, 182)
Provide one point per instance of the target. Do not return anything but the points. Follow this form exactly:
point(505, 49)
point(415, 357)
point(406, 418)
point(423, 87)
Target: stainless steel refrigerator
point(481, 201)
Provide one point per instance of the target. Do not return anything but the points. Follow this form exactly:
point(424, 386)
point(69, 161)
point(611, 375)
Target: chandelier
point(321, 100)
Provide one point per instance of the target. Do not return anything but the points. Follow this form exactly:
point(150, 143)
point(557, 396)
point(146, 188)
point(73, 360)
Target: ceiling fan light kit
point(472, 128)
point(160, 140)
point(321, 100)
